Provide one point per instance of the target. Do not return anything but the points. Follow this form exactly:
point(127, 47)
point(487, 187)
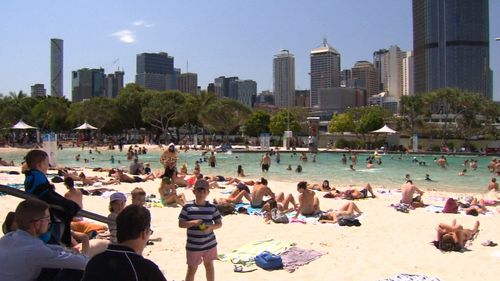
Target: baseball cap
point(118, 196)
point(201, 183)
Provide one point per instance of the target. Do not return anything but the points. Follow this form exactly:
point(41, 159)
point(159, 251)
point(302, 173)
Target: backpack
point(268, 261)
point(278, 217)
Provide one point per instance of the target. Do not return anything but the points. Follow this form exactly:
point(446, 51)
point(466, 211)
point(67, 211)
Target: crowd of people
point(40, 225)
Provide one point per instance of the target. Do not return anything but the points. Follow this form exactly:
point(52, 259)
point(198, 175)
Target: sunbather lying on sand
point(354, 193)
point(348, 211)
point(453, 237)
point(235, 197)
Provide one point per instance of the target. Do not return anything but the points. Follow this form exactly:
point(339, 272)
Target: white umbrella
point(86, 126)
point(385, 129)
point(22, 126)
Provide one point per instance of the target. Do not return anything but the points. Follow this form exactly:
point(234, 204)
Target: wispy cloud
point(142, 23)
point(138, 23)
point(125, 36)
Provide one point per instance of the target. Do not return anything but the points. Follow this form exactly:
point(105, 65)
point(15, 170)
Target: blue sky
point(217, 37)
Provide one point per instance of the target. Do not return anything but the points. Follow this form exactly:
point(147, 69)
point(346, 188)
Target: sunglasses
point(47, 218)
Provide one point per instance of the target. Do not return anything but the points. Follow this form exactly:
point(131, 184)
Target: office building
point(302, 98)
point(385, 101)
point(394, 78)
point(284, 79)
point(380, 64)
point(337, 100)
point(451, 45)
point(187, 83)
point(225, 87)
point(325, 70)
point(114, 83)
point(264, 99)
point(38, 90)
point(156, 71)
point(56, 67)
point(211, 88)
point(365, 76)
point(246, 91)
point(88, 83)
point(408, 81)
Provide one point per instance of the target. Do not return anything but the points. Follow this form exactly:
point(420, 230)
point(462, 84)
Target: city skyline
point(220, 38)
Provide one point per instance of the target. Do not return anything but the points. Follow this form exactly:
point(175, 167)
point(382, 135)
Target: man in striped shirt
point(201, 218)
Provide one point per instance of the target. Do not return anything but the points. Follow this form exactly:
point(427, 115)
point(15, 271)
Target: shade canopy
point(86, 126)
point(385, 129)
point(22, 126)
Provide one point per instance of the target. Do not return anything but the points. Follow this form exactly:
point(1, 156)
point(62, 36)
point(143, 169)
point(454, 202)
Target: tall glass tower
point(325, 70)
point(284, 79)
point(451, 45)
point(56, 67)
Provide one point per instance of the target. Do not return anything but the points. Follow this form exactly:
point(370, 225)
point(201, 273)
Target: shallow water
point(327, 166)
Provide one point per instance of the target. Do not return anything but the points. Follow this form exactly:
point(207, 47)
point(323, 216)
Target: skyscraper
point(451, 45)
point(394, 82)
point(56, 67)
point(38, 90)
point(284, 79)
point(325, 70)
point(156, 71)
point(380, 63)
point(114, 83)
point(408, 77)
point(365, 76)
point(87, 83)
point(246, 92)
point(187, 82)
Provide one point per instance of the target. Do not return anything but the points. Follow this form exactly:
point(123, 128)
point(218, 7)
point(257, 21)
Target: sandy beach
point(388, 242)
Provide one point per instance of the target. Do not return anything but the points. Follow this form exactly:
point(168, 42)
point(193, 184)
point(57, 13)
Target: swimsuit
point(265, 167)
point(364, 191)
point(257, 206)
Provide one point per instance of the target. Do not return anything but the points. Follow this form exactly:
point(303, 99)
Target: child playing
point(201, 218)
point(116, 205)
point(37, 184)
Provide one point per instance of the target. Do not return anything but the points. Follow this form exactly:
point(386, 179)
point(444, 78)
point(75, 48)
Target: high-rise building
point(88, 83)
point(211, 88)
point(225, 87)
point(408, 80)
point(156, 71)
point(302, 98)
point(346, 78)
point(365, 76)
point(284, 79)
point(380, 64)
point(187, 82)
point(394, 72)
point(114, 83)
point(325, 70)
point(451, 45)
point(56, 67)
point(38, 90)
point(246, 92)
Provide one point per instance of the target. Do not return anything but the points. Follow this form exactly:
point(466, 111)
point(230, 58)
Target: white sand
point(387, 243)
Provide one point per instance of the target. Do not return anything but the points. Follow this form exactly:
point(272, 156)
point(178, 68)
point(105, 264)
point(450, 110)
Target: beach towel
point(434, 209)
point(411, 277)
point(245, 255)
point(250, 209)
point(294, 258)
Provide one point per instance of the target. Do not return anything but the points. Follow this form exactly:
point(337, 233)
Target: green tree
point(341, 123)
point(279, 123)
point(130, 101)
point(412, 109)
point(101, 112)
point(225, 115)
point(257, 123)
point(162, 109)
point(50, 113)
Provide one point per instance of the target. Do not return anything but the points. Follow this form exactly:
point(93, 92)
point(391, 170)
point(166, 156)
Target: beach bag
point(278, 217)
point(451, 206)
point(268, 261)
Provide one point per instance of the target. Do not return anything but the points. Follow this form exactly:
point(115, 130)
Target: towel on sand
point(245, 254)
point(295, 257)
point(250, 209)
point(411, 277)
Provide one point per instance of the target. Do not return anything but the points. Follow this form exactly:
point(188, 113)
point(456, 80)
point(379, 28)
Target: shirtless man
point(259, 191)
point(73, 194)
point(407, 191)
point(354, 193)
point(348, 211)
point(265, 162)
point(169, 160)
point(492, 164)
point(122, 177)
point(442, 162)
point(493, 185)
point(497, 168)
point(308, 202)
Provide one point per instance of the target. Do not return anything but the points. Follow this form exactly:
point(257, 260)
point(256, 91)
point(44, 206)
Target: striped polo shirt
point(196, 239)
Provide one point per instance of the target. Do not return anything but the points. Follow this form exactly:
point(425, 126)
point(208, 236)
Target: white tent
point(385, 129)
point(22, 126)
point(86, 126)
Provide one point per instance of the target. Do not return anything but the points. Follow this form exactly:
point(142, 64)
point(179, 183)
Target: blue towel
point(250, 209)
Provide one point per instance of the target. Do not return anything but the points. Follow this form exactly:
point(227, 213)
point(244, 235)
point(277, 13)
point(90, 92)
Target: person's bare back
point(75, 195)
point(407, 191)
point(259, 191)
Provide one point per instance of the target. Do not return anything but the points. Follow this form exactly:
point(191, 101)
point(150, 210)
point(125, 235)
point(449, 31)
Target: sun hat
point(118, 196)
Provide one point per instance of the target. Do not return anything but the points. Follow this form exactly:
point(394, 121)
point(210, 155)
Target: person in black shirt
point(124, 261)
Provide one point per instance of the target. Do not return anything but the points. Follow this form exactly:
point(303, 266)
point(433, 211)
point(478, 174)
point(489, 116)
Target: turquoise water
point(327, 166)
